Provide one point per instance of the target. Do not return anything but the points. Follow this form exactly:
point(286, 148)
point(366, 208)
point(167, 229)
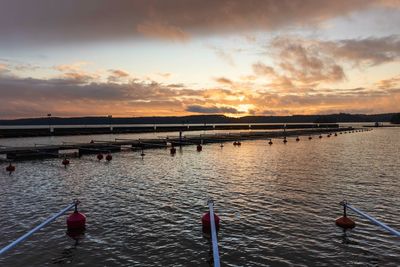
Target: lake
point(277, 204)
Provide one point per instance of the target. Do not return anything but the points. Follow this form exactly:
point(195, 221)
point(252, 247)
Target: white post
point(375, 221)
point(37, 228)
point(214, 234)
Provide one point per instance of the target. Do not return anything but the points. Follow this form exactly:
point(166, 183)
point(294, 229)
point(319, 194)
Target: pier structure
point(95, 147)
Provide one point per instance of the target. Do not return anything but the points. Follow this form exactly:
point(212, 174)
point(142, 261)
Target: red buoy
point(65, 162)
point(235, 143)
point(284, 140)
point(100, 156)
point(10, 168)
point(109, 157)
point(335, 134)
point(238, 143)
point(173, 150)
point(320, 136)
point(76, 220)
point(345, 222)
point(309, 138)
point(199, 148)
point(297, 139)
point(270, 142)
point(206, 222)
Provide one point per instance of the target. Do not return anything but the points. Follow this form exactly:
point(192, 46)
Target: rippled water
point(277, 205)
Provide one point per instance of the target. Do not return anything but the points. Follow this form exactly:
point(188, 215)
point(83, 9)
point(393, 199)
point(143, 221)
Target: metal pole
point(214, 234)
point(37, 228)
point(375, 221)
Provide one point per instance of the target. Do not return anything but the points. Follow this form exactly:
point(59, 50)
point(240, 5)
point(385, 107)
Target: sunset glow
point(238, 58)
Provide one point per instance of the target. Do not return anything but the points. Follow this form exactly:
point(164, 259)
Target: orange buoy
point(320, 136)
point(109, 157)
point(199, 148)
point(329, 135)
point(270, 142)
point(65, 162)
point(100, 156)
point(10, 168)
point(345, 222)
point(235, 143)
point(222, 145)
point(238, 143)
point(309, 138)
point(206, 222)
point(335, 134)
point(284, 140)
point(172, 150)
point(297, 139)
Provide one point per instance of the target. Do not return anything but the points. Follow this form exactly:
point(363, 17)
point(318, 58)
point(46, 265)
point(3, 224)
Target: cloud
point(223, 55)
point(368, 51)
point(389, 83)
point(117, 75)
point(223, 80)
point(165, 75)
point(43, 22)
point(77, 96)
point(302, 63)
point(162, 31)
point(73, 67)
point(3, 68)
point(212, 109)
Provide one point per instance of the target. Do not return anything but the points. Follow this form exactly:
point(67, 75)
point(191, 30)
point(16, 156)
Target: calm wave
point(277, 204)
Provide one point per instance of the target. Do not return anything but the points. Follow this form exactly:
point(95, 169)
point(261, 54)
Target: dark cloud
point(318, 53)
point(212, 109)
point(370, 51)
point(24, 22)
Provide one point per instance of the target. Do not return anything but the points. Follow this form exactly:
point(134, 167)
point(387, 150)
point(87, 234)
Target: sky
point(185, 57)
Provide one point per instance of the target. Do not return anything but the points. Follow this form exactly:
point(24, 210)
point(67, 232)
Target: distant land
point(208, 119)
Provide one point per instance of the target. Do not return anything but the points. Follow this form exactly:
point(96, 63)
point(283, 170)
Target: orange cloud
point(117, 75)
point(223, 80)
point(393, 82)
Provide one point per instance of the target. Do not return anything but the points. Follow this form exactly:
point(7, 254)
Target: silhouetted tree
point(395, 118)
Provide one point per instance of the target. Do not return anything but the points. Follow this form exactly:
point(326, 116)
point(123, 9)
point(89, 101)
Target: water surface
point(277, 205)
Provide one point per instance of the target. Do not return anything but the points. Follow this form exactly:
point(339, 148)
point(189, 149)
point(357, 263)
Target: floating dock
point(95, 147)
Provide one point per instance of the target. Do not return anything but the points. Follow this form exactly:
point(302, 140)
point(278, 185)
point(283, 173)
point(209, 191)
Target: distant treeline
point(209, 119)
